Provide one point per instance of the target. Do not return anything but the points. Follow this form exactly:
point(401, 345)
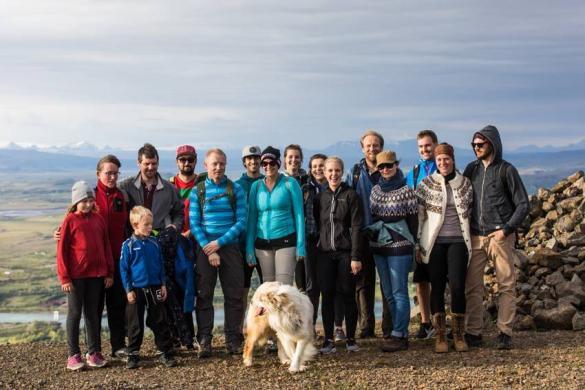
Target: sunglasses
point(386, 166)
point(478, 145)
point(269, 163)
point(186, 160)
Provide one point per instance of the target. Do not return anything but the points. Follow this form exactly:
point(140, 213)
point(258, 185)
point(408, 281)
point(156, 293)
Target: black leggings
point(86, 297)
point(448, 262)
point(334, 272)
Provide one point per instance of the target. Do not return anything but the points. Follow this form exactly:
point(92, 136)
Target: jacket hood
point(492, 134)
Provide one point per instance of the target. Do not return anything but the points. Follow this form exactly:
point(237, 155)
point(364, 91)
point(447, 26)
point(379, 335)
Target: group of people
point(150, 244)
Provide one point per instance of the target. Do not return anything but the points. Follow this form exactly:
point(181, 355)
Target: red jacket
point(113, 208)
point(84, 248)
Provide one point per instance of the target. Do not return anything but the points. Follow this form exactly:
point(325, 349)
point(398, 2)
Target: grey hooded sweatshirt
point(499, 197)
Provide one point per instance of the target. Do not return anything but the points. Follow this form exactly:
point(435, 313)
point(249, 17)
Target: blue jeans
point(393, 271)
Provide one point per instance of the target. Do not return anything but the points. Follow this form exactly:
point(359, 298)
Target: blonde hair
point(139, 212)
point(375, 134)
point(334, 159)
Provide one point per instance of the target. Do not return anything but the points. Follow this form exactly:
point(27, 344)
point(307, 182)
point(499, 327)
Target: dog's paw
point(302, 367)
point(293, 370)
point(285, 362)
point(248, 362)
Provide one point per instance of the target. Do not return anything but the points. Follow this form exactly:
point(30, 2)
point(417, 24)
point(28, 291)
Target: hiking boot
point(504, 341)
point(75, 362)
point(204, 349)
point(395, 344)
point(132, 362)
point(473, 340)
point(351, 345)
point(168, 360)
point(328, 347)
point(441, 344)
point(458, 324)
point(95, 360)
point(234, 349)
point(121, 353)
point(425, 332)
point(339, 335)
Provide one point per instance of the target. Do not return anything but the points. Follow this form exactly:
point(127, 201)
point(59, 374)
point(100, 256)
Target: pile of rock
point(550, 264)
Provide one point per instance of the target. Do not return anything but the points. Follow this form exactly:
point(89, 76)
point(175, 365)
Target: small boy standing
point(143, 277)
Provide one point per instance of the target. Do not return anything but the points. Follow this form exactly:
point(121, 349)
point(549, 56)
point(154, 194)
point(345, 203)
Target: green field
point(28, 280)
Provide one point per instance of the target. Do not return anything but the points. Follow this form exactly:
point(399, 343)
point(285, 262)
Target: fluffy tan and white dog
point(284, 310)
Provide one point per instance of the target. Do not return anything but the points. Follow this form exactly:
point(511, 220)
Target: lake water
point(49, 316)
point(28, 213)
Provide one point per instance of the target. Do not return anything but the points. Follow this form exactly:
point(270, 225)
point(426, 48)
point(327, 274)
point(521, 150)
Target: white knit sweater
point(432, 199)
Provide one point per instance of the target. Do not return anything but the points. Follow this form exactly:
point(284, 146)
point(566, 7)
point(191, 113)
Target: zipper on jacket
point(481, 222)
point(331, 221)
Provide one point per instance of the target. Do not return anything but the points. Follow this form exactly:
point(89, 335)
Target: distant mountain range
point(539, 166)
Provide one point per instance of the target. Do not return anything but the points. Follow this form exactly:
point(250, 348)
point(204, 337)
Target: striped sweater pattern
point(218, 222)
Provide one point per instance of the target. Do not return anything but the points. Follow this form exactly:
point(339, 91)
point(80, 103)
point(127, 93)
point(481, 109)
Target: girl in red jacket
point(84, 266)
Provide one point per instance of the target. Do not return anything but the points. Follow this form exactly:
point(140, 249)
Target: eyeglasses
point(184, 160)
point(269, 163)
point(478, 145)
point(386, 166)
point(111, 174)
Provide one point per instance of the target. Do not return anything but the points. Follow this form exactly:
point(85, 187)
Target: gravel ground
point(544, 360)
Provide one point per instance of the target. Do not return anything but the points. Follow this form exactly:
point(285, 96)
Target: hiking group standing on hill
point(146, 244)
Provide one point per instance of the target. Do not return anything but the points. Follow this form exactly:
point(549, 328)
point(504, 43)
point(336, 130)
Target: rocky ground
point(554, 359)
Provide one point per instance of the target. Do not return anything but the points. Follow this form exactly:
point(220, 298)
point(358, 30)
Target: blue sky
point(312, 72)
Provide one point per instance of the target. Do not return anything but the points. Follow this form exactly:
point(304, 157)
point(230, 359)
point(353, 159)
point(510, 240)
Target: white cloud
point(320, 71)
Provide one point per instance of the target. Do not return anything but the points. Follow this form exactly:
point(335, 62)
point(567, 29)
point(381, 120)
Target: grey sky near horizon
point(230, 73)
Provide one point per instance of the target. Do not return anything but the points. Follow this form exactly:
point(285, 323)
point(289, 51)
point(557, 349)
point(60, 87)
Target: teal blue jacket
point(275, 214)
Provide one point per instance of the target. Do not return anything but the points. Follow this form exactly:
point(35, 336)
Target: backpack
point(355, 174)
point(415, 173)
point(229, 192)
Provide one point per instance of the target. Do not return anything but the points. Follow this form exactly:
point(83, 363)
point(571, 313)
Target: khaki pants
point(502, 254)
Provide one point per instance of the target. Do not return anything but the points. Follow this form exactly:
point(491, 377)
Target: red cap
point(186, 149)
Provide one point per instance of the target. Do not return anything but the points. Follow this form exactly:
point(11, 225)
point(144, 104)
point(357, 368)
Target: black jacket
point(340, 219)
point(499, 197)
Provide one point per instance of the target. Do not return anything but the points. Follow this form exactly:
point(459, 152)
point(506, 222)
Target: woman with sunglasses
point(445, 200)
point(276, 224)
point(394, 210)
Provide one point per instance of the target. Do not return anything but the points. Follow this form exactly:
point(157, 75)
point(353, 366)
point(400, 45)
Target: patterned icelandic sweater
point(394, 206)
point(432, 198)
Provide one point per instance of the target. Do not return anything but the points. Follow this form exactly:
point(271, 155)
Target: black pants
point(448, 262)
point(335, 275)
point(115, 300)
point(249, 271)
point(300, 276)
point(366, 296)
point(85, 297)
point(156, 319)
point(231, 277)
point(312, 283)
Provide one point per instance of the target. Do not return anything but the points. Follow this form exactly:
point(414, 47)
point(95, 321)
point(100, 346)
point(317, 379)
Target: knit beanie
point(81, 191)
point(445, 148)
point(271, 153)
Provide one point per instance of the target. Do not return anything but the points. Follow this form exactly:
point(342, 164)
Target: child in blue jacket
point(143, 277)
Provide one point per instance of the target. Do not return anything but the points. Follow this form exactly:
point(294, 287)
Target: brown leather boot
point(458, 325)
point(441, 344)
